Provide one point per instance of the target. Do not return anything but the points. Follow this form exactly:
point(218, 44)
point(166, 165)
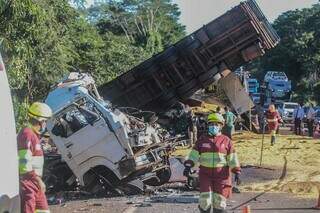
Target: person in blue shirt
point(230, 119)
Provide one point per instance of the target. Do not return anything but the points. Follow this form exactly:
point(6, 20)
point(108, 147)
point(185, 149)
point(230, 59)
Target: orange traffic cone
point(318, 203)
point(246, 209)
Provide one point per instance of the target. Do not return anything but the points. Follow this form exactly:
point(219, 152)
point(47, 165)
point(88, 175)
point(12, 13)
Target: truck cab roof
point(69, 90)
point(63, 96)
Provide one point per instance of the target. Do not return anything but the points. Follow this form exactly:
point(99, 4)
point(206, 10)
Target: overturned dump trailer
point(104, 147)
point(196, 61)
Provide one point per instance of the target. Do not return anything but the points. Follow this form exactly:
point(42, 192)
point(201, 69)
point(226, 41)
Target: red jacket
point(216, 156)
point(273, 119)
point(30, 153)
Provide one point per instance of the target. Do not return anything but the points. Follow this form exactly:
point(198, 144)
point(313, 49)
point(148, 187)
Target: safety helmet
point(39, 111)
point(215, 118)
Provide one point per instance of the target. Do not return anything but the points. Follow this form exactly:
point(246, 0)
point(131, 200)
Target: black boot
point(273, 140)
point(219, 210)
point(204, 211)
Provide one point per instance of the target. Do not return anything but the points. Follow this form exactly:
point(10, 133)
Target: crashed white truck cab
point(100, 143)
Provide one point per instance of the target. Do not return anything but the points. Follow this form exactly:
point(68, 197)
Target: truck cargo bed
point(238, 36)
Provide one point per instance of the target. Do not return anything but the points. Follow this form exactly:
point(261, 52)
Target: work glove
point(237, 178)
point(41, 184)
point(186, 171)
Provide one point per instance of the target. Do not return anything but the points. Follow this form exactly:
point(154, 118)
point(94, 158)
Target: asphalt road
point(266, 203)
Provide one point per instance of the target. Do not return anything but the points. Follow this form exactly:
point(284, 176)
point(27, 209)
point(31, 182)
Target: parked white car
point(286, 111)
point(9, 184)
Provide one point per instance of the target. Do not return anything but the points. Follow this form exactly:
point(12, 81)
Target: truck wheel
point(163, 176)
point(56, 178)
point(134, 187)
point(99, 181)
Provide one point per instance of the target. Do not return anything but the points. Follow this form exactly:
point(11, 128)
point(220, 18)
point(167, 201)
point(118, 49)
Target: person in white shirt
point(310, 120)
point(298, 114)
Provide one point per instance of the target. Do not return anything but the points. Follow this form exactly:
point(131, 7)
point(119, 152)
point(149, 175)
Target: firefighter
point(32, 188)
point(217, 159)
point(273, 119)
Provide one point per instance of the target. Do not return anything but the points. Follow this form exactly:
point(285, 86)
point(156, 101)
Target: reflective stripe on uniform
point(193, 156)
point(213, 159)
point(37, 164)
point(205, 200)
point(25, 161)
point(233, 160)
point(218, 201)
point(208, 199)
point(42, 211)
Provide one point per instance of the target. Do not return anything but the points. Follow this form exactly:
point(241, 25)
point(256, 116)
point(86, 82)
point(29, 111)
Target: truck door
point(87, 135)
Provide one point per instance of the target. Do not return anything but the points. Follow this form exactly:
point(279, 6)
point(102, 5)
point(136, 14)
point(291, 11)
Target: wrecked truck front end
point(100, 142)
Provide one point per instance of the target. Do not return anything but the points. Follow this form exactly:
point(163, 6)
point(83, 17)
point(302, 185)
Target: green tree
point(298, 53)
point(44, 40)
point(150, 24)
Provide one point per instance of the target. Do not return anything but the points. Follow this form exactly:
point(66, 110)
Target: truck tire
point(163, 176)
point(100, 180)
point(56, 178)
point(133, 187)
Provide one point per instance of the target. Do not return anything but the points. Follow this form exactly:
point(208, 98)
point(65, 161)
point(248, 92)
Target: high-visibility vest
point(214, 154)
point(30, 153)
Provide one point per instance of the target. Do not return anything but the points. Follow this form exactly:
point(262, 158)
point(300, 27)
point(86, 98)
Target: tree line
point(298, 53)
point(43, 40)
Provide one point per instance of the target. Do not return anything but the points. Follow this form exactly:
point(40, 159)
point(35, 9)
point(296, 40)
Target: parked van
point(9, 185)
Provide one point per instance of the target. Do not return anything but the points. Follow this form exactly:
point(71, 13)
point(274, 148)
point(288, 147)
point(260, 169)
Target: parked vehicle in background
point(255, 97)
point(253, 85)
point(9, 185)
point(286, 111)
point(275, 75)
point(279, 89)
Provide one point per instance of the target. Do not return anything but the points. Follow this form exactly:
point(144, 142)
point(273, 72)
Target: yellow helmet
point(215, 118)
point(40, 111)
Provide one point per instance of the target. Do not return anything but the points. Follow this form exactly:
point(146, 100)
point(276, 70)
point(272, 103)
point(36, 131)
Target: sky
point(195, 13)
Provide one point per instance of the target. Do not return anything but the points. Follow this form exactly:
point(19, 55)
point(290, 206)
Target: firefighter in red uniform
point(217, 159)
point(273, 119)
point(32, 188)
